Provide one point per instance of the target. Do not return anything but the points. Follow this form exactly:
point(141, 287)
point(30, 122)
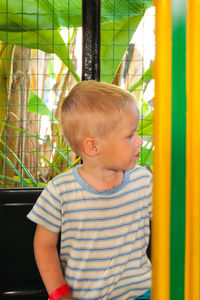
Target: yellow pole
point(162, 154)
point(192, 247)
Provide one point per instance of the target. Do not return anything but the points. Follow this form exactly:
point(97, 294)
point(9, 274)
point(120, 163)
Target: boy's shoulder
point(63, 177)
point(139, 172)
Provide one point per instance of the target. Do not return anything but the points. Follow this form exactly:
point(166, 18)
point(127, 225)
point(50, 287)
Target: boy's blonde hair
point(92, 109)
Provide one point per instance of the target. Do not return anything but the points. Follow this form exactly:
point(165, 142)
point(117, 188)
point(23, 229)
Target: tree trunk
point(17, 108)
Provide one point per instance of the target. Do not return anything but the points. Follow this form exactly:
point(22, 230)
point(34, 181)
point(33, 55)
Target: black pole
point(91, 14)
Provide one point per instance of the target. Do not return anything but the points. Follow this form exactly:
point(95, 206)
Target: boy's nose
point(139, 141)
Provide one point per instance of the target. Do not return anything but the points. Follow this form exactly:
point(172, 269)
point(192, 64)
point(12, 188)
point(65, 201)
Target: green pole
point(178, 161)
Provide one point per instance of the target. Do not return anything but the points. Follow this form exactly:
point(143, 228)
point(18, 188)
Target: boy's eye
point(131, 135)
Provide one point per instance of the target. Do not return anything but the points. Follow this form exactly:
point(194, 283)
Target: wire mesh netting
point(41, 59)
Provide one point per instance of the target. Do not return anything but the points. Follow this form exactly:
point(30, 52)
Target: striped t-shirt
point(104, 235)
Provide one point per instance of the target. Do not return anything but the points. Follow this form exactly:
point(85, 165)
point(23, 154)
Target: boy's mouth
point(137, 155)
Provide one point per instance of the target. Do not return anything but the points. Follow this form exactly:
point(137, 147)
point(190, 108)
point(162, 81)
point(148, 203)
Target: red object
point(59, 292)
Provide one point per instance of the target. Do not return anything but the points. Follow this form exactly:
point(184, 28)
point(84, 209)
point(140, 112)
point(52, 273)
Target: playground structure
point(176, 212)
point(176, 201)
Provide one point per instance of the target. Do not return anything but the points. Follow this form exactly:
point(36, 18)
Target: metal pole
point(91, 39)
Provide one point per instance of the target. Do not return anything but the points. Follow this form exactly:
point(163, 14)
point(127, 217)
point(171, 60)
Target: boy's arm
point(46, 255)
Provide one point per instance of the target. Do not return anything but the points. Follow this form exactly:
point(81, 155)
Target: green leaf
point(20, 163)
point(145, 126)
point(115, 38)
point(20, 15)
point(29, 183)
point(36, 105)
point(117, 33)
point(34, 24)
point(66, 13)
point(66, 151)
point(13, 167)
point(38, 138)
point(15, 180)
point(50, 164)
point(146, 77)
point(76, 162)
point(45, 40)
point(145, 108)
point(116, 10)
point(145, 156)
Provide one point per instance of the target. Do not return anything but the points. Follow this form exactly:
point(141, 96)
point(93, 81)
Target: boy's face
point(121, 147)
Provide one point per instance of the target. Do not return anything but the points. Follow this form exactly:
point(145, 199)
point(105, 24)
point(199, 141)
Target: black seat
point(20, 278)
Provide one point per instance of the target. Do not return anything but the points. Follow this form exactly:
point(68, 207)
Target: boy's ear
point(90, 146)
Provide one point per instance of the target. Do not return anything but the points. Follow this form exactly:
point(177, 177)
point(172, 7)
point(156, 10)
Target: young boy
point(101, 208)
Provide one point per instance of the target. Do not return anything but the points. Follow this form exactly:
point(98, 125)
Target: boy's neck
point(101, 179)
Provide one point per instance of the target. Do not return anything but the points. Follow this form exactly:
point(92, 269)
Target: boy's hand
point(66, 297)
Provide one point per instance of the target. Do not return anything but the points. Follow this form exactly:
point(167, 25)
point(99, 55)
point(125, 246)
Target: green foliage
point(119, 20)
point(37, 24)
point(22, 131)
point(145, 132)
point(36, 105)
point(30, 181)
point(6, 61)
point(147, 76)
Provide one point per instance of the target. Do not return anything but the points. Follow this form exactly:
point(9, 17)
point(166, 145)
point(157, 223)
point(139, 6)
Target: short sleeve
point(47, 210)
point(150, 195)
